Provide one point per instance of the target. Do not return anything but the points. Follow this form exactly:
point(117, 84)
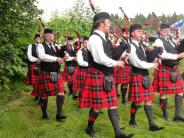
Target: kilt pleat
point(162, 83)
point(45, 87)
point(31, 77)
point(122, 75)
point(79, 78)
point(93, 95)
point(137, 92)
point(66, 76)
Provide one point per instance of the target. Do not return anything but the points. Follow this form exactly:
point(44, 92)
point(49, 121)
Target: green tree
point(17, 27)
point(78, 18)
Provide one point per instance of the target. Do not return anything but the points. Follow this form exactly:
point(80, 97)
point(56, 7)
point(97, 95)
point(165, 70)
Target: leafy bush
point(18, 24)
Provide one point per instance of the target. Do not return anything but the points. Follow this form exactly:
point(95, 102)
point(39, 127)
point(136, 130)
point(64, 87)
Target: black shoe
point(133, 123)
point(45, 116)
point(123, 100)
point(166, 118)
point(178, 119)
point(90, 132)
point(122, 128)
point(118, 95)
point(101, 112)
point(39, 102)
point(36, 98)
point(70, 92)
point(60, 116)
point(155, 128)
point(75, 96)
point(123, 135)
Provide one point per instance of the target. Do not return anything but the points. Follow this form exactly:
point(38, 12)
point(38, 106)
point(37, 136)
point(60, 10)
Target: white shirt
point(80, 59)
point(69, 58)
point(135, 61)
point(165, 55)
point(29, 54)
point(43, 56)
point(95, 46)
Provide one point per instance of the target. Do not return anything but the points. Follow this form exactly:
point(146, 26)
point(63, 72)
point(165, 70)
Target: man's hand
point(156, 66)
point(181, 55)
point(74, 58)
point(38, 61)
point(60, 60)
point(178, 41)
point(66, 56)
point(126, 60)
point(120, 63)
point(159, 61)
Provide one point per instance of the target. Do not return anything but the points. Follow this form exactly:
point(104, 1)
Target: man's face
point(37, 40)
point(85, 42)
point(106, 25)
point(70, 42)
point(137, 34)
point(126, 34)
point(144, 36)
point(52, 37)
point(165, 32)
point(48, 37)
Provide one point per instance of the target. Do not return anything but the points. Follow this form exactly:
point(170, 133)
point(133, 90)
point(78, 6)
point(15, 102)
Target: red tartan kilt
point(35, 90)
point(93, 95)
point(31, 77)
point(137, 92)
point(45, 87)
point(162, 83)
point(66, 76)
point(122, 75)
point(79, 79)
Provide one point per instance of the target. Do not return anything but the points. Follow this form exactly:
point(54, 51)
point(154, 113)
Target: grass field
point(20, 117)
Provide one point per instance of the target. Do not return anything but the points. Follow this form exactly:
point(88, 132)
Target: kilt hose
point(45, 87)
point(137, 92)
point(93, 95)
point(66, 76)
point(122, 75)
point(79, 78)
point(162, 81)
point(31, 77)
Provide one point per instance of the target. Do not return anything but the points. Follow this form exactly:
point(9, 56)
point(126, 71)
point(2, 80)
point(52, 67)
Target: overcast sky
point(131, 7)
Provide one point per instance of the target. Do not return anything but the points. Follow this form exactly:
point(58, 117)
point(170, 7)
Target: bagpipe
point(123, 47)
point(152, 39)
point(41, 27)
point(79, 42)
point(126, 19)
point(119, 50)
point(155, 21)
point(152, 53)
point(180, 47)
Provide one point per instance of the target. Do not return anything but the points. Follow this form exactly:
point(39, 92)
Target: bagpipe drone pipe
point(180, 47)
point(119, 50)
point(152, 53)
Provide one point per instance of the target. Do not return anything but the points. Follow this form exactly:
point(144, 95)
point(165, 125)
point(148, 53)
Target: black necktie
point(52, 48)
point(141, 48)
point(71, 48)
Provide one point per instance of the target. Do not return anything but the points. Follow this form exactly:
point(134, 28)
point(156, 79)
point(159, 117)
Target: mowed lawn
point(20, 117)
